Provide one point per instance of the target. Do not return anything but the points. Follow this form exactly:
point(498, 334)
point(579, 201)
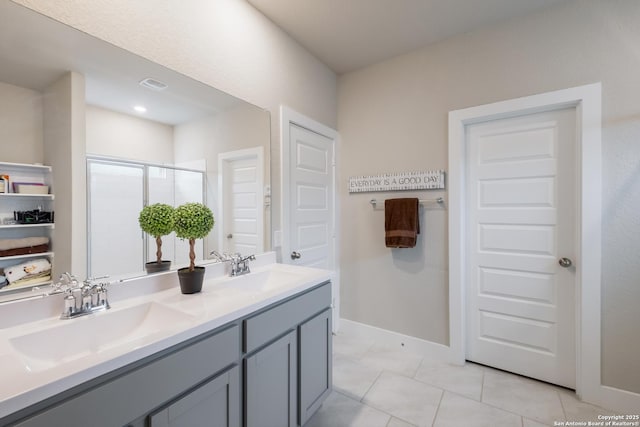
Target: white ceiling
point(350, 34)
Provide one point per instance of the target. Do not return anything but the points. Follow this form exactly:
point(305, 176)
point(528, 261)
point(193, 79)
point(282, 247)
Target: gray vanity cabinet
point(214, 404)
point(288, 360)
point(271, 368)
point(270, 384)
point(315, 363)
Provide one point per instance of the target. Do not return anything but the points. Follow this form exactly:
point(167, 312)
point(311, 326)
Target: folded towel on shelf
point(27, 269)
point(7, 244)
point(31, 280)
point(25, 250)
point(401, 222)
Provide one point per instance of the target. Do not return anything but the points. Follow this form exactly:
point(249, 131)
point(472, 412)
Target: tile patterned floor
point(376, 386)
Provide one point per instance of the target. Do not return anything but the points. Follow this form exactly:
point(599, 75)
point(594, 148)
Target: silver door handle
point(295, 255)
point(229, 236)
point(565, 262)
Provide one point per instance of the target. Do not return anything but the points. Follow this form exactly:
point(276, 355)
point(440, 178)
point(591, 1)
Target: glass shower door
point(175, 187)
point(116, 195)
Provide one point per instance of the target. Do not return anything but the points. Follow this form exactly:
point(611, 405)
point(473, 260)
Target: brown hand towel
point(401, 222)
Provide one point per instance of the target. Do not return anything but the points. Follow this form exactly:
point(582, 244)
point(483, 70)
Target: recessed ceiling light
point(140, 108)
point(153, 84)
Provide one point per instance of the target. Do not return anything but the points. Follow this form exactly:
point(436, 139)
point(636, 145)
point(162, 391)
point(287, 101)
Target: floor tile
point(394, 422)
point(381, 386)
point(349, 346)
point(404, 398)
point(393, 360)
point(342, 411)
point(465, 380)
point(526, 422)
point(352, 378)
point(575, 410)
point(455, 411)
point(530, 398)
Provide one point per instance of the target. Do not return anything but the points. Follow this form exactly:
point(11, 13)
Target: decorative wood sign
point(426, 180)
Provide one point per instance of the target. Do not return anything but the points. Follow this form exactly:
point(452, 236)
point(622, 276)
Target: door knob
point(565, 262)
point(229, 236)
point(295, 255)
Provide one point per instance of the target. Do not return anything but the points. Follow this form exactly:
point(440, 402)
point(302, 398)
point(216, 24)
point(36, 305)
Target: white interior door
point(311, 204)
point(242, 202)
point(521, 199)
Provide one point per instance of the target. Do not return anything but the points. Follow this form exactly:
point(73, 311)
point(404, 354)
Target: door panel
point(521, 204)
point(241, 202)
point(311, 205)
point(243, 209)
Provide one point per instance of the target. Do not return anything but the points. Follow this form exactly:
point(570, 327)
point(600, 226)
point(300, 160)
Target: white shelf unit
point(9, 293)
point(10, 202)
point(42, 225)
point(26, 196)
point(26, 256)
point(24, 166)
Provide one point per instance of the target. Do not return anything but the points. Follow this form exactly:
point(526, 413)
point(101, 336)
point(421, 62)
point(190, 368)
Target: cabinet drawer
point(126, 397)
point(263, 327)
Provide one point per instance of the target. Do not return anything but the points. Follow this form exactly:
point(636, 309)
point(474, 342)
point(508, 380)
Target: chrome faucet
point(218, 256)
point(81, 298)
point(239, 264)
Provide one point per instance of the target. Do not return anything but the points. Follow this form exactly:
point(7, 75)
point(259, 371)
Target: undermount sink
point(264, 280)
point(73, 339)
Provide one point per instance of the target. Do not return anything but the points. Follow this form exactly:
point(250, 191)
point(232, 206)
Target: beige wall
point(244, 127)
point(393, 117)
point(20, 124)
point(65, 151)
point(114, 134)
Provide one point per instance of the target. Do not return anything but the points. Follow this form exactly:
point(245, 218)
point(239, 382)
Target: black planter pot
point(191, 281)
point(154, 267)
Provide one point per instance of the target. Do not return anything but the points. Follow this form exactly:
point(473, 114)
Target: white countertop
point(25, 380)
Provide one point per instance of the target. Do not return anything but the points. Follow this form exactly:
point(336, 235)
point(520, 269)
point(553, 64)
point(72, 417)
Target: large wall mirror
point(149, 135)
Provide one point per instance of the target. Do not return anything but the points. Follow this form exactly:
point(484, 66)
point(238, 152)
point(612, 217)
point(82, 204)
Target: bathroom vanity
point(253, 350)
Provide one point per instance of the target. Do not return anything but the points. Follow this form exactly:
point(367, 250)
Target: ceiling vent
point(153, 84)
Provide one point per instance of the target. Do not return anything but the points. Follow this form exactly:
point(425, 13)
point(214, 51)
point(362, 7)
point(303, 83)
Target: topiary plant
point(192, 221)
point(157, 220)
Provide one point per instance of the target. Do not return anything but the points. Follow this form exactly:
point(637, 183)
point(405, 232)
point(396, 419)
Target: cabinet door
point(214, 404)
point(270, 381)
point(315, 364)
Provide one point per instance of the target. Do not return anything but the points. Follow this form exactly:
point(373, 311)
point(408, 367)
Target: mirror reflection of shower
point(117, 192)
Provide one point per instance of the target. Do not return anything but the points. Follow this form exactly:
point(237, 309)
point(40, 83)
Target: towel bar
point(439, 201)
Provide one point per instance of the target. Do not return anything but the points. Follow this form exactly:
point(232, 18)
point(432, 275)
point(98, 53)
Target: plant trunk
point(159, 251)
point(192, 254)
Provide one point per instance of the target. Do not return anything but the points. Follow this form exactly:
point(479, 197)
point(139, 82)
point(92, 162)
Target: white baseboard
point(622, 401)
point(392, 339)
